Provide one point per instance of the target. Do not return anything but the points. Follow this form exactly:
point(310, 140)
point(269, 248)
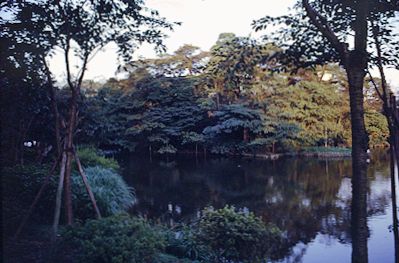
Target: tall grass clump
point(90, 156)
point(112, 193)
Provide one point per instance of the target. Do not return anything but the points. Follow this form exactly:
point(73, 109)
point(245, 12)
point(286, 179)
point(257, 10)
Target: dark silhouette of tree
point(79, 29)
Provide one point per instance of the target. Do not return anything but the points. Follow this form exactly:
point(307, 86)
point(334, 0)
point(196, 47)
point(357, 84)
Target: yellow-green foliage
point(90, 156)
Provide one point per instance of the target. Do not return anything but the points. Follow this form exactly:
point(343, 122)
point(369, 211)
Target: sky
point(202, 22)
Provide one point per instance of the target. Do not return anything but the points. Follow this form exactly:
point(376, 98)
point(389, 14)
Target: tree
point(25, 112)
point(232, 127)
point(79, 29)
point(321, 31)
point(232, 65)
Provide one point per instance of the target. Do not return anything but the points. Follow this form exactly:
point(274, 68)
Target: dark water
point(309, 199)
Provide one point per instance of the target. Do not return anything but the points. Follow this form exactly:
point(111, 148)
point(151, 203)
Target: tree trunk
point(359, 167)
point(356, 66)
point(150, 152)
point(394, 206)
point(325, 137)
point(359, 218)
point(57, 210)
point(69, 150)
point(245, 136)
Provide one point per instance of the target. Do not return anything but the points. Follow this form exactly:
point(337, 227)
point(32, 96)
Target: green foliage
point(152, 111)
point(116, 239)
point(20, 185)
point(236, 235)
point(232, 127)
point(314, 107)
point(90, 156)
point(192, 137)
point(110, 190)
point(112, 194)
point(183, 243)
point(167, 149)
point(377, 128)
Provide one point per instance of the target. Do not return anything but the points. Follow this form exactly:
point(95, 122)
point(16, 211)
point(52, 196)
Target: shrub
point(237, 236)
point(20, 186)
point(90, 156)
point(116, 239)
point(112, 193)
point(182, 243)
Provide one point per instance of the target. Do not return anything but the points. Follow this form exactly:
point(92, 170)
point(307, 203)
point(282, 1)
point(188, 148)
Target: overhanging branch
point(321, 23)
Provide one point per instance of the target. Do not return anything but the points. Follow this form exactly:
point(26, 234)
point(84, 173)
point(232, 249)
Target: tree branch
point(67, 64)
point(321, 24)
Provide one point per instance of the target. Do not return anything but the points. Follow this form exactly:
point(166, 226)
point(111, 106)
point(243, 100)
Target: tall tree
point(339, 31)
point(79, 29)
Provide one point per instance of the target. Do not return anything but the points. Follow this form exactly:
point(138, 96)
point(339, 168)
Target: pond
point(309, 199)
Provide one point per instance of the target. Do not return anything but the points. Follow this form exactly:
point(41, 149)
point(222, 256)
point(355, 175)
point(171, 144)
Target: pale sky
point(202, 22)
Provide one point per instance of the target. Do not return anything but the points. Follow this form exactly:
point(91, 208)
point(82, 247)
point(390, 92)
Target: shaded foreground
point(308, 203)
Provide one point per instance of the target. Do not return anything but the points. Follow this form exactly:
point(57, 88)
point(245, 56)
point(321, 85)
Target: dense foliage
point(219, 235)
point(117, 239)
point(157, 110)
point(90, 156)
point(110, 190)
point(237, 236)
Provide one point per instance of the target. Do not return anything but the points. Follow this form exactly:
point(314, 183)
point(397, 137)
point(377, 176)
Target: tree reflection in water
point(359, 213)
point(394, 167)
point(306, 198)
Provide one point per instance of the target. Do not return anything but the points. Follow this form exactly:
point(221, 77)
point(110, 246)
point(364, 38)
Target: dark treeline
point(229, 100)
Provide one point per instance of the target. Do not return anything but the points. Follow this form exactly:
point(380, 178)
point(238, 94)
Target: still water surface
point(309, 199)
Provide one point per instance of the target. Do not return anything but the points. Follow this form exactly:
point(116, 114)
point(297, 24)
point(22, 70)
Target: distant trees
point(153, 111)
point(321, 31)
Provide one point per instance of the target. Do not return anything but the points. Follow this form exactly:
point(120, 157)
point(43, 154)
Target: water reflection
point(311, 200)
point(395, 229)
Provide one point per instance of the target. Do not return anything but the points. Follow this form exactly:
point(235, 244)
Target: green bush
point(182, 243)
point(90, 156)
point(116, 239)
point(111, 192)
point(237, 236)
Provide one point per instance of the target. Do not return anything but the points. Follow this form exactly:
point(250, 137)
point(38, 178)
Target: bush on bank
point(224, 235)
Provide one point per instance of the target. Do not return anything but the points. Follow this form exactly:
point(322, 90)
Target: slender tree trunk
point(54, 106)
point(68, 168)
point(150, 152)
point(394, 206)
point(245, 136)
point(57, 210)
point(325, 137)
